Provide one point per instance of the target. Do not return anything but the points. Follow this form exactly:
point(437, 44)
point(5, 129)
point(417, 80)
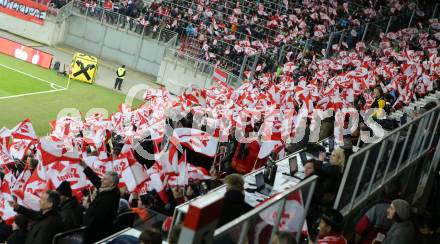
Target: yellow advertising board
point(83, 68)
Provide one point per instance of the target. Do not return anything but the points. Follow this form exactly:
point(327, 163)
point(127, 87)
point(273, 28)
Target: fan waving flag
point(30, 196)
point(19, 148)
point(53, 150)
point(129, 170)
point(157, 181)
point(24, 130)
point(6, 210)
point(196, 140)
point(99, 166)
point(5, 157)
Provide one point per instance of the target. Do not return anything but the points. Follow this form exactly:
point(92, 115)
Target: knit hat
point(64, 189)
point(21, 221)
point(402, 209)
point(123, 205)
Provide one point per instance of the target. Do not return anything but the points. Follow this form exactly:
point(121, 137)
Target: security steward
point(120, 73)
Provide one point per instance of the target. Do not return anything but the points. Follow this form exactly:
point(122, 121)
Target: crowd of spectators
point(224, 33)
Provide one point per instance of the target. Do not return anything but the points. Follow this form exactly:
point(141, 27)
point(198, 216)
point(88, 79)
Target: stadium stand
point(320, 55)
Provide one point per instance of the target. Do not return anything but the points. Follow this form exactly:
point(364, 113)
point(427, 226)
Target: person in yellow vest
point(120, 73)
point(379, 101)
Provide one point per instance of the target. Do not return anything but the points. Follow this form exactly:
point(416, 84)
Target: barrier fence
point(397, 154)
point(125, 23)
point(198, 67)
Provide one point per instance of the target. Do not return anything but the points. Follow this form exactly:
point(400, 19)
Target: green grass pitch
point(43, 103)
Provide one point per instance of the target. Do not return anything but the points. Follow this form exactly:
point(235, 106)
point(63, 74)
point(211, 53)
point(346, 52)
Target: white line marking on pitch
point(24, 73)
point(32, 93)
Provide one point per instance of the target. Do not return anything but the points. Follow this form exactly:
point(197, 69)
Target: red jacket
point(332, 238)
point(108, 5)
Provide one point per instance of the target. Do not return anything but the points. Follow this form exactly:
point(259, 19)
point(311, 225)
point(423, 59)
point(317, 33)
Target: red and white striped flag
point(219, 76)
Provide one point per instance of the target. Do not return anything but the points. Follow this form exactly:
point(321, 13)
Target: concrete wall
point(175, 74)
point(144, 55)
point(50, 33)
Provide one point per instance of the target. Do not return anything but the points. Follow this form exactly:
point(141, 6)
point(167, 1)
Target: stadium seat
point(124, 220)
point(74, 236)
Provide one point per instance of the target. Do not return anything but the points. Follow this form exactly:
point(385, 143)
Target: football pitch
point(29, 91)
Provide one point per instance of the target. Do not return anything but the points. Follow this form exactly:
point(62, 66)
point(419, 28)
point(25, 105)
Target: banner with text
point(24, 9)
point(25, 53)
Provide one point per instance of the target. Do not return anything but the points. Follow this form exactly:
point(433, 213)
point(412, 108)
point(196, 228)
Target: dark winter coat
point(233, 207)
point(102, 211)
point(45, 227)
point(71, 213)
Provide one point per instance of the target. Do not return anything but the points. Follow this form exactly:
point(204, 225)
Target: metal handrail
point(310, 181)
point(422, 122)
point(64, 12)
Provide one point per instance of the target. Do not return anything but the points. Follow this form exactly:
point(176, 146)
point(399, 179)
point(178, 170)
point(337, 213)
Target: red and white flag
point(197, 173)
point(157, 181)
point(291, 217)
point(167, 158)
point(24, 130)
point(19, 148)
point(129, 170)
point(53, 150)
point(219, 76)
point(181, 177)
point(5, 157)
point(5, 136)
point(99, 166)
point(34, 187)
point(6, 210)
point(71, 172)
point(196, 140)
point(95, 138)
